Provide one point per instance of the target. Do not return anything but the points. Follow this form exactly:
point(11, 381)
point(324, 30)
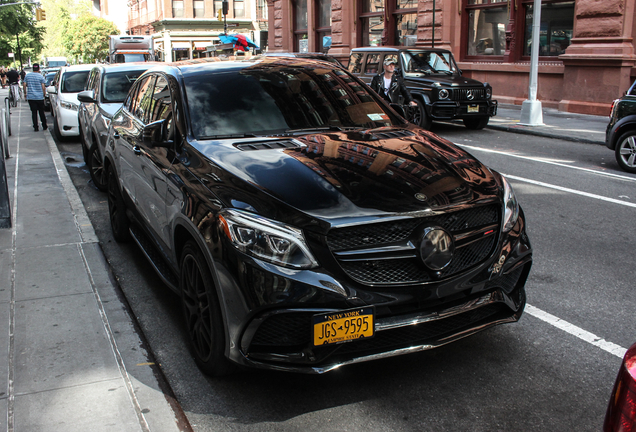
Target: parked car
point(303, 223)
point(48, 80)
point(620, 135)
point(434, 81)
point(68, 82)
point(105, 91)
point(621, 410)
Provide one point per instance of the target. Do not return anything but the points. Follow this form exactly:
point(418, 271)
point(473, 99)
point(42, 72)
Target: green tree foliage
point(87, 37)
point(59, 15)
point(17, 23)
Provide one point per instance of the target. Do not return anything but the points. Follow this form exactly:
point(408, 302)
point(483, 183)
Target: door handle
point(136, 150)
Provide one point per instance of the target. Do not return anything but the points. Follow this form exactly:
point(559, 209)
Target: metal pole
point(19, 51)
point(433, 41)
point(531, 113)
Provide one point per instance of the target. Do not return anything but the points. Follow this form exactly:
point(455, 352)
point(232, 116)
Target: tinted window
point(355, 62)
point(73, 82)
point(428, 62)
point(160, 106)
point(262, 100)
point(115, 85)
point(143, 99)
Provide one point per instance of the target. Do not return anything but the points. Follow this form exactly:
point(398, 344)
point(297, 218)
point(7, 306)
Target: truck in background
point(125, 49)
point(54, 62)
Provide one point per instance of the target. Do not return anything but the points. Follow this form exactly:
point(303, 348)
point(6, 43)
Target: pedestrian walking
point(390, 85)
point(3, 76)
point(35, 91)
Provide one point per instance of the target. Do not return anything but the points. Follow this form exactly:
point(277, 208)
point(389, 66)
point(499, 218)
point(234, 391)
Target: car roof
point(397, 49)
point(123, 67)
point(79, 68)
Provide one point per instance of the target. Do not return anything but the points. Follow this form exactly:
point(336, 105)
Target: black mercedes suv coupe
point(304, 223)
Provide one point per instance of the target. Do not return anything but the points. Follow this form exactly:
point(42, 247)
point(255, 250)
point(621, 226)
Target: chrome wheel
point(626, 151)
point(96, 167)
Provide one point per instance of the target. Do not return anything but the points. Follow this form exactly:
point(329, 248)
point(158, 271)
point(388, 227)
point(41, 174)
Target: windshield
point(269, 99)
point(115, 85)
point(430, 62)
point(73, 82)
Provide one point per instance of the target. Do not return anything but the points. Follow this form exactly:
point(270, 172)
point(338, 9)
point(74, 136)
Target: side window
point(90, 82)
point(131, 102)
point(355, 63)
point(373, 62)
point(161, 106)
point(143, 100)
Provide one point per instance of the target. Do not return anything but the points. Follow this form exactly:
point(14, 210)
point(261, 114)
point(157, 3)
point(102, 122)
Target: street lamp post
point(531, 113)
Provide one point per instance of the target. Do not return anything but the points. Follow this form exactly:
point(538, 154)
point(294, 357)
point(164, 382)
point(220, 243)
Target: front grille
point(284, 329)
point(400, 269)
point(462, 94)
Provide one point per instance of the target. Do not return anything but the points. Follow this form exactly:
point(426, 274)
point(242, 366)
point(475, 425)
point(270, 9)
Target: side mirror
point(51, 89)
point(86, 96)
point(152, 135)
point(398, 109)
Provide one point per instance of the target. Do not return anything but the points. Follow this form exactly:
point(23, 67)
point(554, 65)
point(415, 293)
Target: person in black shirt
point(13, 77)
point(390, 85)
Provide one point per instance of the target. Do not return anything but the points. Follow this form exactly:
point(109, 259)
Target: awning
point(181, 45)
point(198, 45)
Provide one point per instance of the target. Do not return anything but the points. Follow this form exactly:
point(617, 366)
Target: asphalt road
point(552, 371)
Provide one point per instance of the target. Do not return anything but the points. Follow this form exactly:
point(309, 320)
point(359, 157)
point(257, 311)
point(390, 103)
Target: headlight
point(268, 240)
point(69, 105)
point(488, 92)
point(511, 211)
point(443, 94)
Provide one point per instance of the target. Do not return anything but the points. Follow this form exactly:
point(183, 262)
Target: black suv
point(620, 135)
point(435, 82)
point(303, 223)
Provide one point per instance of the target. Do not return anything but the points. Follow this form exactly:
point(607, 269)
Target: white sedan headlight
point(69, 105)
point(511, 209)
point(266, 239)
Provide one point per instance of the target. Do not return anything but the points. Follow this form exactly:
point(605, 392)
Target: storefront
point(586, 47)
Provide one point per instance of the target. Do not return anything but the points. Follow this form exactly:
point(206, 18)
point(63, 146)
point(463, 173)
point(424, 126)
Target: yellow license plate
point(473, 108)
point(343, 326)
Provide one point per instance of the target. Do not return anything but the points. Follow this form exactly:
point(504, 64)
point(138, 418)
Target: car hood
point(449, 80)
point(340, 177)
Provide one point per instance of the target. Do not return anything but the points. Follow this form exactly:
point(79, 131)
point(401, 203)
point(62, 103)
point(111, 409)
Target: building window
point(300, 27)
point(372, 20)
point(218, 5)
point(323, 25)
point(199, 8)
point(239, 8)
point(177, 8)
point(486, 23)
point(406, 29)
point(555, 33)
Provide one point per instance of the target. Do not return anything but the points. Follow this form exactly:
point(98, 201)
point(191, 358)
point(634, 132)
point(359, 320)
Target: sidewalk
point(557, 124)
point(72, 360)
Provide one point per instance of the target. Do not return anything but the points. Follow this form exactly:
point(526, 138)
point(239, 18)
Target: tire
point(476, 123)
point(626, 151)
point(84, 145)
point(202, 313)
point(56, 131)
point(420, 117)
point(96, 168)
point(119, 222)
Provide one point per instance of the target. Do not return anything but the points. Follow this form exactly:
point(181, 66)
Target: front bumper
point(275, 330)
point(450, 110)
point(68, 122)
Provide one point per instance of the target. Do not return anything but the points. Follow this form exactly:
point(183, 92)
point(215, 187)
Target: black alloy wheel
point(119, 222)
point(626, 151)
point(202, 313)
point(477, 123)
point(96, 167)
point(420, 117)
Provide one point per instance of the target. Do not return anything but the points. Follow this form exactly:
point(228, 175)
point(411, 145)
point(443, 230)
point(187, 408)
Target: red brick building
point(586, 61)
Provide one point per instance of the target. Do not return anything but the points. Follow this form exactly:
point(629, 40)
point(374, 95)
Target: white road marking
point(572, 191)
point(584, 335)
point(549, 162)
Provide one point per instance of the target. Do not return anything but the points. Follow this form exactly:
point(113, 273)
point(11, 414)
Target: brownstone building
point(586, 49)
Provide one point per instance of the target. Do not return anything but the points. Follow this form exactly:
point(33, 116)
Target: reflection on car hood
point(450, 80)
point(338, 176)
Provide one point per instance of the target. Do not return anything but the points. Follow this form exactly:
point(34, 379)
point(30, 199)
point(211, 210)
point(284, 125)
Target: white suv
point(68, 82)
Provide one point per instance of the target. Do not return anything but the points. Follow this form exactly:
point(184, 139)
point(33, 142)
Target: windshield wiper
point(247, 135)
point(314, 129)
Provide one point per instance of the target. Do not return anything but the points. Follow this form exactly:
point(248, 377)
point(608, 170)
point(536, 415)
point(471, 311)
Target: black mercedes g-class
point(435, 82)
